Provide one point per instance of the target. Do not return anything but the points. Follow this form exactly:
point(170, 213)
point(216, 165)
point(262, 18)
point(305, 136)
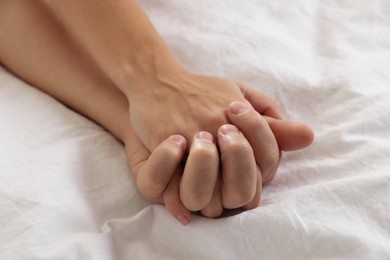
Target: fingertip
point(251, 205)
point(309, 135)
point(303, 136)
point(291, 135)
point(184, 219)
point(177, 209)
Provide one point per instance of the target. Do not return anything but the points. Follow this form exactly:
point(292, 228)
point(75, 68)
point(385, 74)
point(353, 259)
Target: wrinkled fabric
point(66, 191)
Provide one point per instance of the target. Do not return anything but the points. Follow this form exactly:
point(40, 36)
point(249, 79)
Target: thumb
point(291, 135)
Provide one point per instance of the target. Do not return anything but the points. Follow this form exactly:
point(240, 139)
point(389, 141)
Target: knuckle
point(149, 196)
point(170, 152)
point(246, 195)
point(237, 199)
point(258, 122)
point(253, 204)
point(269, 177)
point(212, 212)
point(196, 200)
point(234, 202)
point(155, 183)
point(150, 191)
point(238, 147)
point(204, 152)
point(252, 121)
point(151, 187)
point(271, 159)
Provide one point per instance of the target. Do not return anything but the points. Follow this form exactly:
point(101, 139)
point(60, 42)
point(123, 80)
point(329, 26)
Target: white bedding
point(66, 191)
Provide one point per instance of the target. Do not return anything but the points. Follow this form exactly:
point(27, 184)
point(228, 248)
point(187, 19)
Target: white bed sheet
point(66, 191)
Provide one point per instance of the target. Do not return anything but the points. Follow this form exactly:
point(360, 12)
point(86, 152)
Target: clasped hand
point(214, 146)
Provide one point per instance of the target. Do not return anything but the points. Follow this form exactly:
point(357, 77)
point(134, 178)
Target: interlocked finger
point(214, 208)
point(172, 200)
point(259, 134)
point(239, 170)
point(158, 170)
point(198, 182)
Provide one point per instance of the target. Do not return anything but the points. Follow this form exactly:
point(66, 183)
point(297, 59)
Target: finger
point(256, 199)
point(157, 171)
point(257, 131)
point(214, 208)
point(172, 200)
point(291, 135)
point(200, 173)
point(239, 169)
point(262, 103)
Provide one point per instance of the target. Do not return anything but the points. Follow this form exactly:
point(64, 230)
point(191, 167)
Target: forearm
point(48, 59)
point(120, 37)
point(107, 106)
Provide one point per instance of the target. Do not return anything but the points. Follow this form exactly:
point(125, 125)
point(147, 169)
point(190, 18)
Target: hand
point(157, 175)
point(185, 103)
point(239, 182)
point(160, 178)
point(182, 103)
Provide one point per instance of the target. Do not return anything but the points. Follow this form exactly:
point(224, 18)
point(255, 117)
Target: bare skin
point(135, 58)
point(55, 59)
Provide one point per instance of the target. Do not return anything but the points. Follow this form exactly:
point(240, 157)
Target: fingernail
point(178, 139)
point(205, 136)
point(228, 130)
point(238, 108)
point(184, 220)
